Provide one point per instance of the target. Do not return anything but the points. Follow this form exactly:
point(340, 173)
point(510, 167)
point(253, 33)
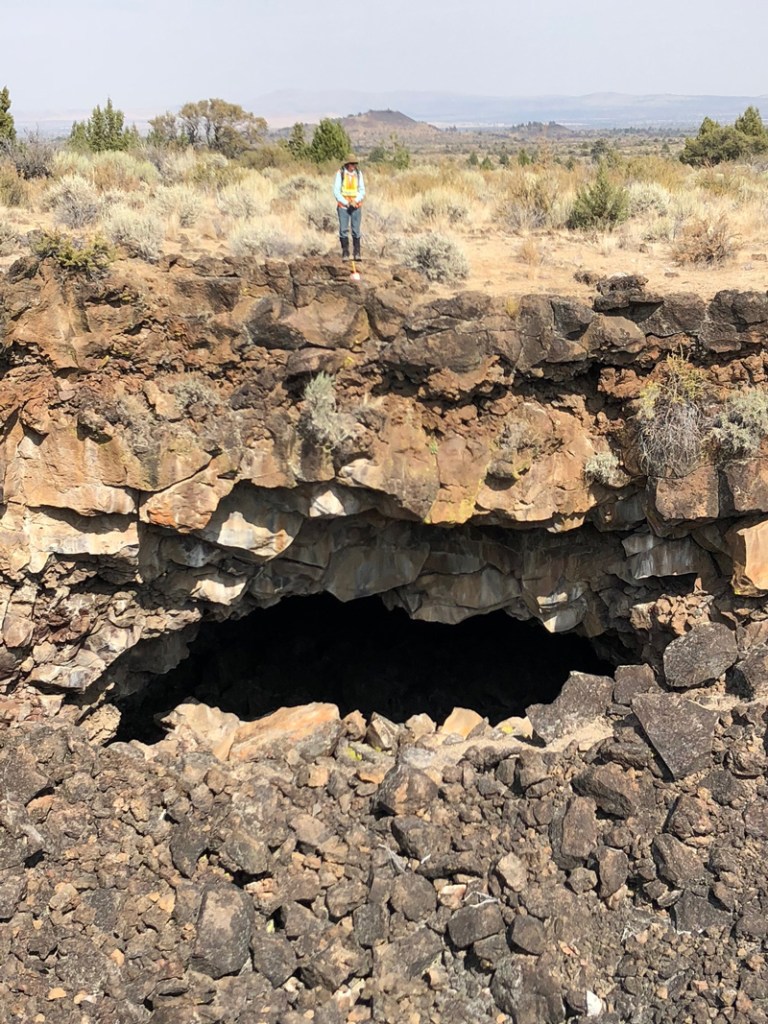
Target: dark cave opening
point(362, 656)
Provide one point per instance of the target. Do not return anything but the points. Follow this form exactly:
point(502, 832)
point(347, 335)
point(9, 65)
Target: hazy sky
point(156, 54)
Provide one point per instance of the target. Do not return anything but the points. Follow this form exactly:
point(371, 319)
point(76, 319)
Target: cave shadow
point(362, 656)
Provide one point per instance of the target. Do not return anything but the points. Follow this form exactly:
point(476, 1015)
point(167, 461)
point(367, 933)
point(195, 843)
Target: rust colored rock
point(405, 790)
point(310, 731)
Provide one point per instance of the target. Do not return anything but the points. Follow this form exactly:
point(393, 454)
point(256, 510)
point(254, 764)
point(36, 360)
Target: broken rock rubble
point(449, 879)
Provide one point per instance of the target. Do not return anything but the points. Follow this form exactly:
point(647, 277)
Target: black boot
point(345, 248)
point(356, 249)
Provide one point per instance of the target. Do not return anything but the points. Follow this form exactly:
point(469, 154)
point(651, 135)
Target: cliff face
point(161, 462)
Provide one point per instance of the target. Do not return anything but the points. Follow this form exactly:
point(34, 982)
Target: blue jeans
point(350, 218)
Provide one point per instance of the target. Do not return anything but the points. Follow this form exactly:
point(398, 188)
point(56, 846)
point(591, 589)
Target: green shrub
point(104, 130)
point(716, 143)
point(321, 420)
point(72, 254)
point(603, 468)
point(601, 205)
point(742, 424)
point(672, 423)
point(329, 142)
point(436, 257)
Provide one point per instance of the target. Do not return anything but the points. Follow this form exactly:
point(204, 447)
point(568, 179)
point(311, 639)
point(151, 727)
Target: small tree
point(220, 126)
point(715, 143)
point(395, 154)
point(297, 143)
point(329, 142)
point(602, 205)
point(7, 126)
point(163, 130)
point(104, 131)
point(750, 123)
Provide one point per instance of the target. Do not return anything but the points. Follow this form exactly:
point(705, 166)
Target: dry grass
point(509, 222)
point(705, 244)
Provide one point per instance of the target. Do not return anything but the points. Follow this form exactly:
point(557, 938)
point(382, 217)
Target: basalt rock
point(161, 464)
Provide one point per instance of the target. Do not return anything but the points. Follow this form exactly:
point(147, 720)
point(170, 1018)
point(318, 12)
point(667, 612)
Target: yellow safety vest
point(349, 184)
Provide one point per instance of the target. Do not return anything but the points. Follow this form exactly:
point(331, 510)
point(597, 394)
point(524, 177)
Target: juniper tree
point(104, 130)
point(7, 127)
point(329, 142)
point(297, 143)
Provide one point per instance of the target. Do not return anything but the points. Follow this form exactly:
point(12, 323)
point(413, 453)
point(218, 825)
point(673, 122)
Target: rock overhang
point(161, 464)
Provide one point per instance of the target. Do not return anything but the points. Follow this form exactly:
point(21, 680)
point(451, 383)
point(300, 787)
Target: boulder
point(583, 699)
point(223, 930)
point(311, 731)
point(680, 731)
point(700, 657)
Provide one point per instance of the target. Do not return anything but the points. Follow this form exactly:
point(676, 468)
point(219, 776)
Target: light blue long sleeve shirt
point(360, 188)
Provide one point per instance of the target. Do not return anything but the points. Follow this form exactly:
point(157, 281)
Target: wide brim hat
point(350, 158)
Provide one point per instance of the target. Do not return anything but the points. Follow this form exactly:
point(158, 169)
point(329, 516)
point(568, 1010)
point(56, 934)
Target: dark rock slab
point(188, 843)
point(632, 680)
point(694, 914)
point(614, 790)
point(612, 870)
point(405, 790)
point(583, 699)
point(700, 657)
point(680, 731)
point(573, 834)
point(413, 896)
point(749, 677)
point(528, 935)
point(370, 923)
point(344, 897)
point(527, 995)
point(243, 852)
point(410, 956)
point(470, 924)
point(677, 863)
point(223, 930)
point(418, 838)
point(334, 963)
point(273, 957)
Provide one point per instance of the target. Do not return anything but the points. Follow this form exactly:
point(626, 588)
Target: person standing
point(349, 191)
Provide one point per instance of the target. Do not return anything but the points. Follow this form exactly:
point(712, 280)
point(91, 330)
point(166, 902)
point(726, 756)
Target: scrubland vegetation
point(194, 182)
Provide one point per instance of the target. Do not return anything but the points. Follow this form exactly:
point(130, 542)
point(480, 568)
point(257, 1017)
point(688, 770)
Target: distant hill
point(597, 110)
point(378, 126)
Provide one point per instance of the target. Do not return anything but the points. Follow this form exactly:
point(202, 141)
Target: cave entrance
point(362, 656)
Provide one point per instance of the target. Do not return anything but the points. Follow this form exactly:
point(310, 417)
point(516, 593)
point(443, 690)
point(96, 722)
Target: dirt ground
point(496, 266)
point(509, 264)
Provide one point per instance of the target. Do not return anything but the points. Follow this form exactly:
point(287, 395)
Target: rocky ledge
point(196, 440)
